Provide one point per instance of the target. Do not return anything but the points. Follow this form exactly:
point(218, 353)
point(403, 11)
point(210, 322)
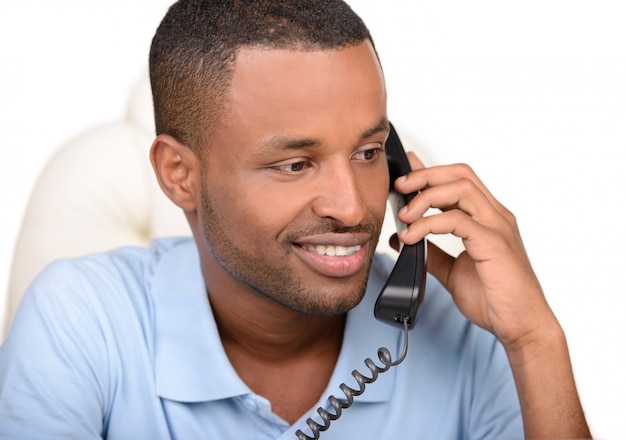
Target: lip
point(334, 266)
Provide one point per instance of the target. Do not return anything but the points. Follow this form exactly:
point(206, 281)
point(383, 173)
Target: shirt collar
point(190, 362)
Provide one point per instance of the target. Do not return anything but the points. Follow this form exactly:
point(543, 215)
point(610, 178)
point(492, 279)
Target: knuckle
point(509, 217)
point(466, 185)
point(457, 215)
point(464, 169)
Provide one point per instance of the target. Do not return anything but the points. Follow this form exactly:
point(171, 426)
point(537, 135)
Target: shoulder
point(102, 304)
point(112, 284)
point(84, 331)
point(119, 265)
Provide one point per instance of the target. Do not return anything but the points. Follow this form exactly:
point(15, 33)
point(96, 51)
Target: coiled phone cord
point(385, 357)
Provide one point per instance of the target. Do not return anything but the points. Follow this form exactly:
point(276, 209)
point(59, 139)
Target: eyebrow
point(383, 125)
point(287, 143)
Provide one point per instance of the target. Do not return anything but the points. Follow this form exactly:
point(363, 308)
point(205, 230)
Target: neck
point(274, 353)
point(250, 322)
point(274, 349)
point(268, 331)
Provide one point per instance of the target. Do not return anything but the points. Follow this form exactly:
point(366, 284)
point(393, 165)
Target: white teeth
point(334, 251)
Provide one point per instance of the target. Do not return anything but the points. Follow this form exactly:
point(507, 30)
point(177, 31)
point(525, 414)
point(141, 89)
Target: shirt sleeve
point(495, 410)
point(53, 366)
point(464, 374)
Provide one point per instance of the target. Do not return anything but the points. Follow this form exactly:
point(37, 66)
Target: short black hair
point(195, 46)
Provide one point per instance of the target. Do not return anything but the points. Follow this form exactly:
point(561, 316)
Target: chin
point(336, 299)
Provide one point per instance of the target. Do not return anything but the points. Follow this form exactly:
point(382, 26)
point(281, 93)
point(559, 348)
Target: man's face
point(295, 181)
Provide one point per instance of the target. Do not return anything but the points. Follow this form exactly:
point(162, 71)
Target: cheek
point(374, 190)
point(271, 212)
point(378, 196)
point(256, 213)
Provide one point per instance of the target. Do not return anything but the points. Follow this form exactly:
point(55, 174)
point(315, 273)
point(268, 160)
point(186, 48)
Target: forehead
point(287, 84)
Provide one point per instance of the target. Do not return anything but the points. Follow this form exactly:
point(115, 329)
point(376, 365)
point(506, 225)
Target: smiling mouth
point(332, 250)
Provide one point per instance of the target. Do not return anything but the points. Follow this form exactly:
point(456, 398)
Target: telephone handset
point(404, 290)
point(397, 302)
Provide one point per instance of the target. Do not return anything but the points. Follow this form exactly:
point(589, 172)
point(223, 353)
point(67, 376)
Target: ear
point(177, 169)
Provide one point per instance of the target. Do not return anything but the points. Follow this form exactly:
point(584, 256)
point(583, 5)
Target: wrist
point(545, 383)
point(544, 342)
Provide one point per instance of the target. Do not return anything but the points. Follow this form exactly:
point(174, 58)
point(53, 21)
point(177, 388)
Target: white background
point(532, 94)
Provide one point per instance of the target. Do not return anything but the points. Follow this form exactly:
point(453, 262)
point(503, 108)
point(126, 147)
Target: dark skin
point(269, 359)
point(272, 346)
point(272, 205)
point(491, 282)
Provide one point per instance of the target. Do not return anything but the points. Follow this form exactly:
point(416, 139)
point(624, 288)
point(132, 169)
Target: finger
point(439, 175)
point(462, 194)
point(480, 241)
point(416, 162)
point(453, 222)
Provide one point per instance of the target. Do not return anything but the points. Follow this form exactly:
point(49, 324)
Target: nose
point(340, 195)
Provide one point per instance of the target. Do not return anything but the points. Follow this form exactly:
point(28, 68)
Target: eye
point(292, 168)
point(368, 154)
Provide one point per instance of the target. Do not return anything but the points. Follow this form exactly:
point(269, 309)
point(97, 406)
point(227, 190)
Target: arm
point(545, 383)
point(494, 285)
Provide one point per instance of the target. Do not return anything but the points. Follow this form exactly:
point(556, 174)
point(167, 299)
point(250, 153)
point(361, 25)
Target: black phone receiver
point(403, 292)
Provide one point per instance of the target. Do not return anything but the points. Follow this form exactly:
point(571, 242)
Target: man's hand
point(492, 281)
point(493, 284)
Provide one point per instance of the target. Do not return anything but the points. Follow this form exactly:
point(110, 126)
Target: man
point(271, 124)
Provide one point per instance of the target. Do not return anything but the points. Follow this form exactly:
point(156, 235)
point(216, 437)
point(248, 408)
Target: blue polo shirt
point(123, 345)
